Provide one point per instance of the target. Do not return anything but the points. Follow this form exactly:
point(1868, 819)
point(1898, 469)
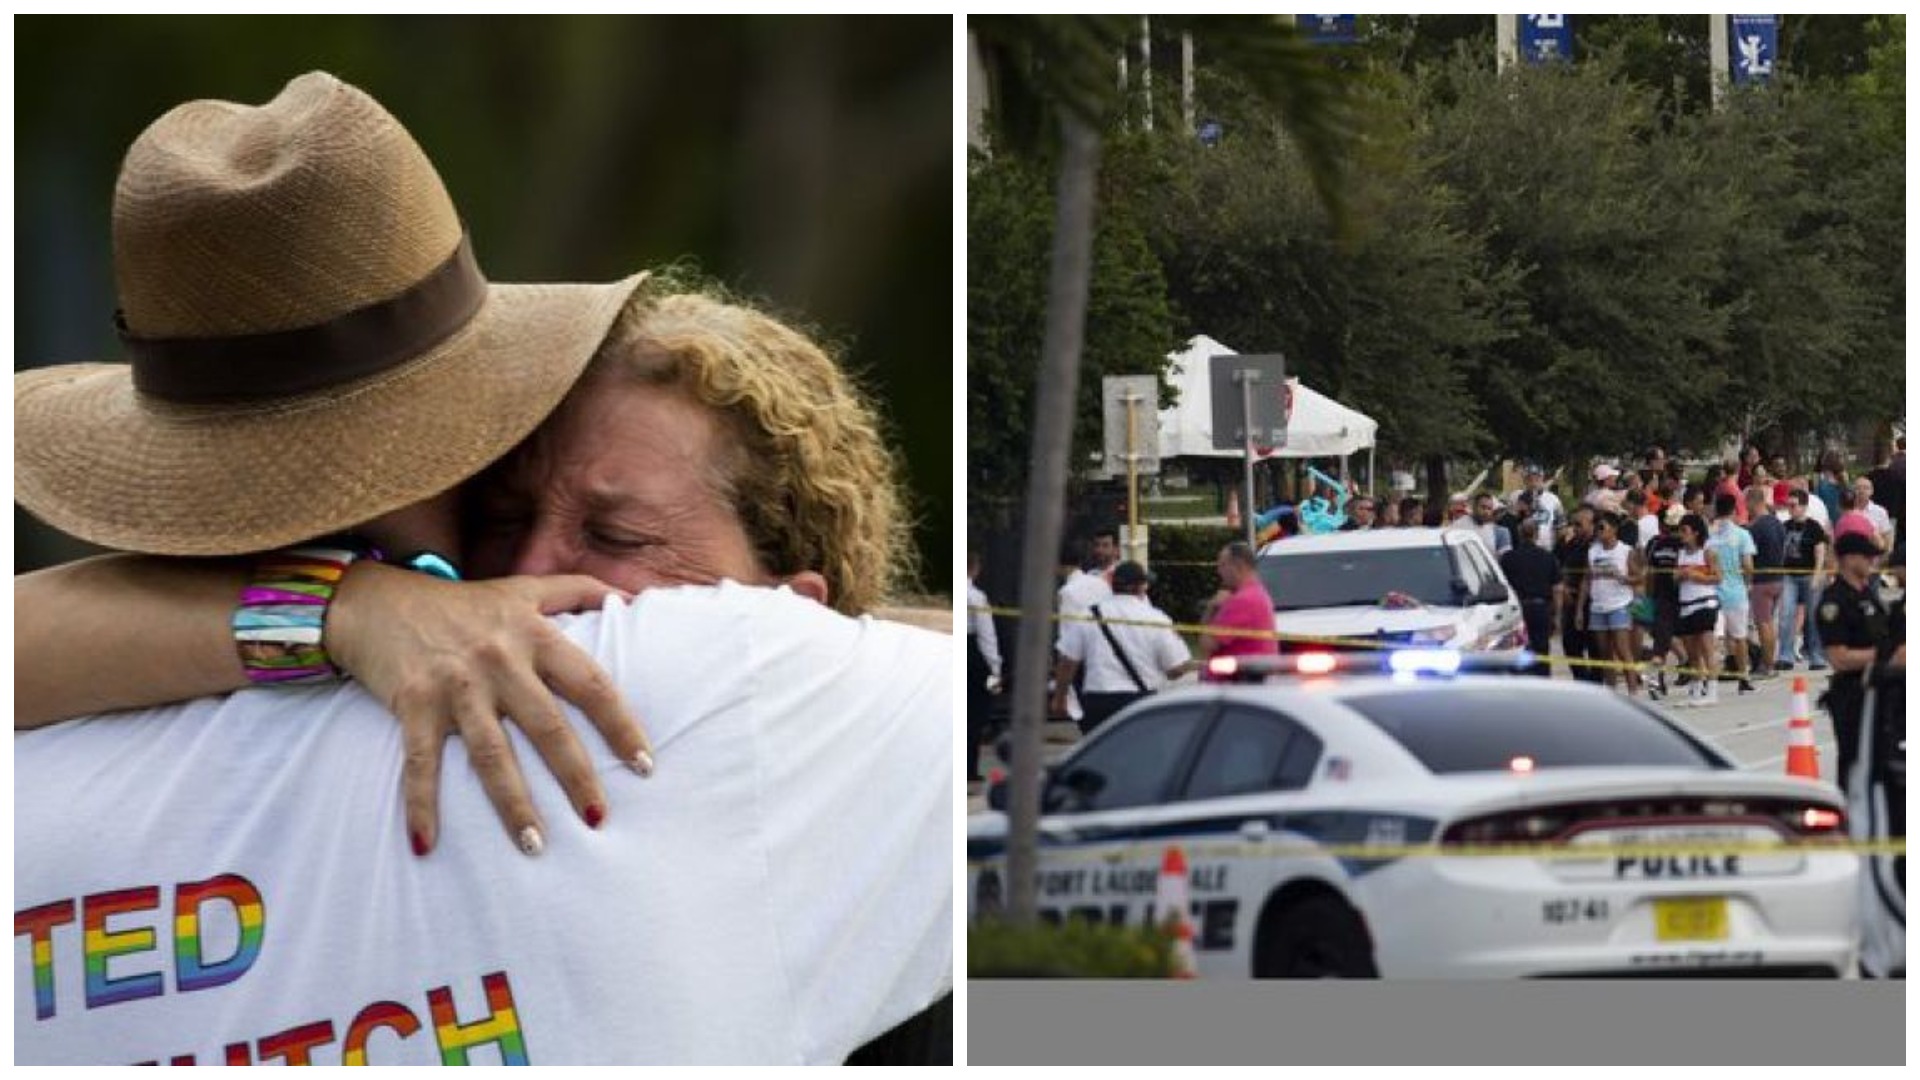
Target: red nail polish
point(594, 815)
point(419, 843)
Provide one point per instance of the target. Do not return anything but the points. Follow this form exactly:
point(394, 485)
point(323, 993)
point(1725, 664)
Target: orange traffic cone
point(1170, 902)
point(1233, 509)
point(1803, 758)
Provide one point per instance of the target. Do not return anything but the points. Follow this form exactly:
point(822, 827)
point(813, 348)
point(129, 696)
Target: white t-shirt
point(1882, 521)
point(1608, 592)
point(1646, 529)
point(1080, 591)
point(231, 878)
point(1694, 594)
point(1153, 650)
point(980, 625)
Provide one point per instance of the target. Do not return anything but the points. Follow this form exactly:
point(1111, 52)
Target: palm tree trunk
point(1046, 495)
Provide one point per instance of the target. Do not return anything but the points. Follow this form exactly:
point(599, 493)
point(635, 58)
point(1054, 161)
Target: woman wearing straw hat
point(820, 491)
point(273, 428)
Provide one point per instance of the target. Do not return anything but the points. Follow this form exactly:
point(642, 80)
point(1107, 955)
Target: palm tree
point(1064, 67)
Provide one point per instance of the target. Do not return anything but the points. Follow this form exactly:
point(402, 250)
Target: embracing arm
point(124, 631)
point(120, 632)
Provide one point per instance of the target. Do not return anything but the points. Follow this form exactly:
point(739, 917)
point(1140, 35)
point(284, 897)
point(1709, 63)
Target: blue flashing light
point(1425, 661)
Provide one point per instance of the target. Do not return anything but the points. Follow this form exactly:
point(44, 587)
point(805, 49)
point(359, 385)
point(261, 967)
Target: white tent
point(1319, 427)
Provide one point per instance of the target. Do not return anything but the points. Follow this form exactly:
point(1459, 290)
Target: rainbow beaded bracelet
point(281, 620)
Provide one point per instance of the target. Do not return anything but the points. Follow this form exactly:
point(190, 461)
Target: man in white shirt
point(1130, 652)
point(782, 894)
point(1547, 508)
point(983, 664)
point(1081, 589)
point(1877, 514)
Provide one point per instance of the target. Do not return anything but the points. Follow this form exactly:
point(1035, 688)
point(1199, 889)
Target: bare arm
point(124, 631)
point(121, 632)
point(1063, 672)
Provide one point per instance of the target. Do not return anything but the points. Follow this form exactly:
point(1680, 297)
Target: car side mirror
point(1459, 587)
point(1493, 593)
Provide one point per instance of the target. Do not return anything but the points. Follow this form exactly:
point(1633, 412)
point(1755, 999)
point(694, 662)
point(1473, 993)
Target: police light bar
point(1402, 662)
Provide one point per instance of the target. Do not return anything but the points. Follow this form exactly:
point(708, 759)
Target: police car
point(1400, 815)
point(1391, 587)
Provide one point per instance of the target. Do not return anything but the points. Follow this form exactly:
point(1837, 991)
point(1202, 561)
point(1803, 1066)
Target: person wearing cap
point(1855, 623)
point(1663, 587)
point(728, 884)
point(1547, 505)
point(1863, 625)
point(1604, 495)
point(1128, 647)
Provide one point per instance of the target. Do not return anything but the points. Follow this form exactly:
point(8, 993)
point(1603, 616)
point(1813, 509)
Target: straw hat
point(312, 343)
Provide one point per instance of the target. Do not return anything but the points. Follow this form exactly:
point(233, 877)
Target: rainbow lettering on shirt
point(38, 923)
point(380, 1014)
point(193, 972)
point(103, 945)
point(502, 1025)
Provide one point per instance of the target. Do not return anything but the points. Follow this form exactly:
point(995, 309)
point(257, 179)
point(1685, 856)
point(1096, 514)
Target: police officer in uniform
point(1867, 699)
point(1861, 623)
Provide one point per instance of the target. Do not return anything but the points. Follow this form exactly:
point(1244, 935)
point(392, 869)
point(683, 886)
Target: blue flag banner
point(1544, 38)
point(1755, 41)
point(1329, 29)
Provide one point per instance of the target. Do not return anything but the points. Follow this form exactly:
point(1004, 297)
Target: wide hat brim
point(121, 469)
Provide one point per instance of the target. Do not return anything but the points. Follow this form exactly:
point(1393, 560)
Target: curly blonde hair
point(807, 469)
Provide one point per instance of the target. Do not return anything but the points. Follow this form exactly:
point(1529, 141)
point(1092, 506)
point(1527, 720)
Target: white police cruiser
point(1416, 821)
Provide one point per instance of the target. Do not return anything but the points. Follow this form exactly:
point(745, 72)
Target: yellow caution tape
point(1557, 852)
point(1311, 639)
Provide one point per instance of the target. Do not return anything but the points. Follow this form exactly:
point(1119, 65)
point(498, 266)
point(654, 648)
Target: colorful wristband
point(280, 624)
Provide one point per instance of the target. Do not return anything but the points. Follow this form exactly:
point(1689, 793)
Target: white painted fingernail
point(530, 842)
point(642, 763)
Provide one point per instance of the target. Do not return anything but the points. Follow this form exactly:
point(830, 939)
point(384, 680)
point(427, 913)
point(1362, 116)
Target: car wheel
point(1319, 937)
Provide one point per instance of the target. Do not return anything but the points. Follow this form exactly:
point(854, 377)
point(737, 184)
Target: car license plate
point(1693, 918)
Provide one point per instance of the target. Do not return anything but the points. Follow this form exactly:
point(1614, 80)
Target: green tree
point(1129, 330)
point(1062, 66)
point(1567, 175)
point(1390, 316)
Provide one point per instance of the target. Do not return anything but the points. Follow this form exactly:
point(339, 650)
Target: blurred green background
point(805, 161)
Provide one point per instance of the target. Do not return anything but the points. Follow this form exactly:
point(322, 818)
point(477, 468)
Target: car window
point(1481, 728)
point(1299, 581)
point(1484, 564)
point(1251, 750)
point(1130, 766)
point(1469, 568)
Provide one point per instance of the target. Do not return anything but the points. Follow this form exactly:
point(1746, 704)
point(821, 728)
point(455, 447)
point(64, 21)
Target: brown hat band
point(284, 363)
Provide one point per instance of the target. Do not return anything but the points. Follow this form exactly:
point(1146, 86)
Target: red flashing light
point(1316, 663)
point(1821, 819)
